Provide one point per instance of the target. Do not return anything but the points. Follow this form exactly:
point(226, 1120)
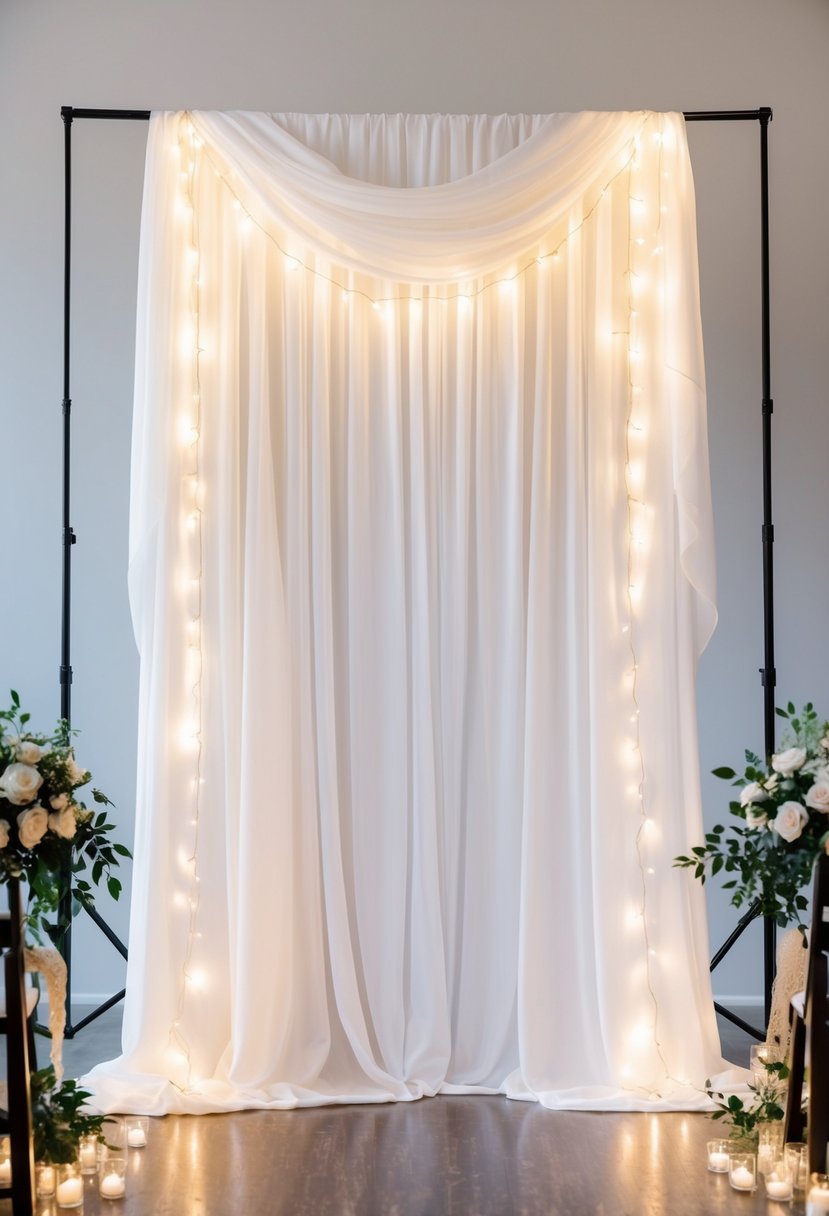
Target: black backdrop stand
point(767, 672)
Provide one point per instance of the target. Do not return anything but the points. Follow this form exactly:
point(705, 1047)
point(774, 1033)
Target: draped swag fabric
point(421, 565)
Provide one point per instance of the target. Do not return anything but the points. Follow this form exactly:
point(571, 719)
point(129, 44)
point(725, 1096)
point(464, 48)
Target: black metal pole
point(68, 114)
point(689, 115)
point(68, 539)
point(769, 673)
point(67, 534)
point(725, 115)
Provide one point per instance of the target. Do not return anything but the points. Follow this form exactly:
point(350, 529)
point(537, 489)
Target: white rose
point(756, 818)
point(59, 802)
point(4, 833)
point(790, 820)
point(20, 783)
point(77, 775)
point(818, 796)
point(771, 784)
point(28, 752)
point(32, 825)
point(63, 823)
point(752, 793)
point(788, 762)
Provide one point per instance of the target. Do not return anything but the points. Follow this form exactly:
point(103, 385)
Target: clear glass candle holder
point(770, 1146)
point(69, 1190)
point(718, 1153)
point(817, 1196)
point(779, 1182)
point(758, 1057)
point(742, 1171)
point(46, 1179)
point(112, 1178)
point(88, 1154)
point(136, 1129)
point(798, 1160)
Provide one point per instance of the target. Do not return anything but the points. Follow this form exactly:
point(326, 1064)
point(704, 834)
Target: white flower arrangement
point(783, 822)
point(47, 834)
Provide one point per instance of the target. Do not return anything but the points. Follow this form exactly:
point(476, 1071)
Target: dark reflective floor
point(485, 1156)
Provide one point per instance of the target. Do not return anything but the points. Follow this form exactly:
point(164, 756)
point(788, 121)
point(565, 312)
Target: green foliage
point(765, 1108)
point(58, 1118)
point(754, 854)
point(48, 836)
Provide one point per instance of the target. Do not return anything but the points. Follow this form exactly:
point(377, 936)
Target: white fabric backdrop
point(421, 565)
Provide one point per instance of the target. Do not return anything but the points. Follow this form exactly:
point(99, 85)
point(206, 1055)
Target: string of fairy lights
point(644, 242)
point(192, 541)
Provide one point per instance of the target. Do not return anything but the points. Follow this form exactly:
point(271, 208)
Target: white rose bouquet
point(46, 831)
point(783, 822)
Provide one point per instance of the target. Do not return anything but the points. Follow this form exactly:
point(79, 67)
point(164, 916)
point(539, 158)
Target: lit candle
point(70, 1193)
point(5, 1172)
point(136, 1137)
point(113, 1186)
point(718, 1162)
point(742, 1179)
point(778, 1188)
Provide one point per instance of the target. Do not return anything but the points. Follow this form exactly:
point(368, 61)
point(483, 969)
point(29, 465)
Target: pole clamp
point(768, 406)
point(66, 405)
point(768, 677)
point(768, 534)
point(69, 537)
point(65, 675)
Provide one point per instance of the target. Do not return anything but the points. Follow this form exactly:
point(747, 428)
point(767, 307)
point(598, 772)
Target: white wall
point(387, 55)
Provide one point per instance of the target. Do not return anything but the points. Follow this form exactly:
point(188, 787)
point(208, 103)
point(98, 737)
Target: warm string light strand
point(644, 242)
point(192, 546)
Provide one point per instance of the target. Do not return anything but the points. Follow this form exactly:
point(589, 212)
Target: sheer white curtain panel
point(421, 565)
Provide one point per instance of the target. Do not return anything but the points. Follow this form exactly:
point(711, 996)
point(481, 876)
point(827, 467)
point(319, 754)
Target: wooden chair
point(16, 1023)
point(810, 1034)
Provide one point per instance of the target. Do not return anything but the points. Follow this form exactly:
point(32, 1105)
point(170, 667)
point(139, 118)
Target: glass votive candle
point(136, 1130)
point(817, 1199)
point(46, 1178)
point(742, 1171)
point(112, 1178)
point(779, 1183)
point(718, 1153)
point(88, 1154)
point(770, 1146)
point(759, 1056)
point(798, 1162)
point(5, 1162)
point(69, 1191)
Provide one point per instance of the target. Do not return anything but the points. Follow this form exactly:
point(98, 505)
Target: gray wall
point(387, 55)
